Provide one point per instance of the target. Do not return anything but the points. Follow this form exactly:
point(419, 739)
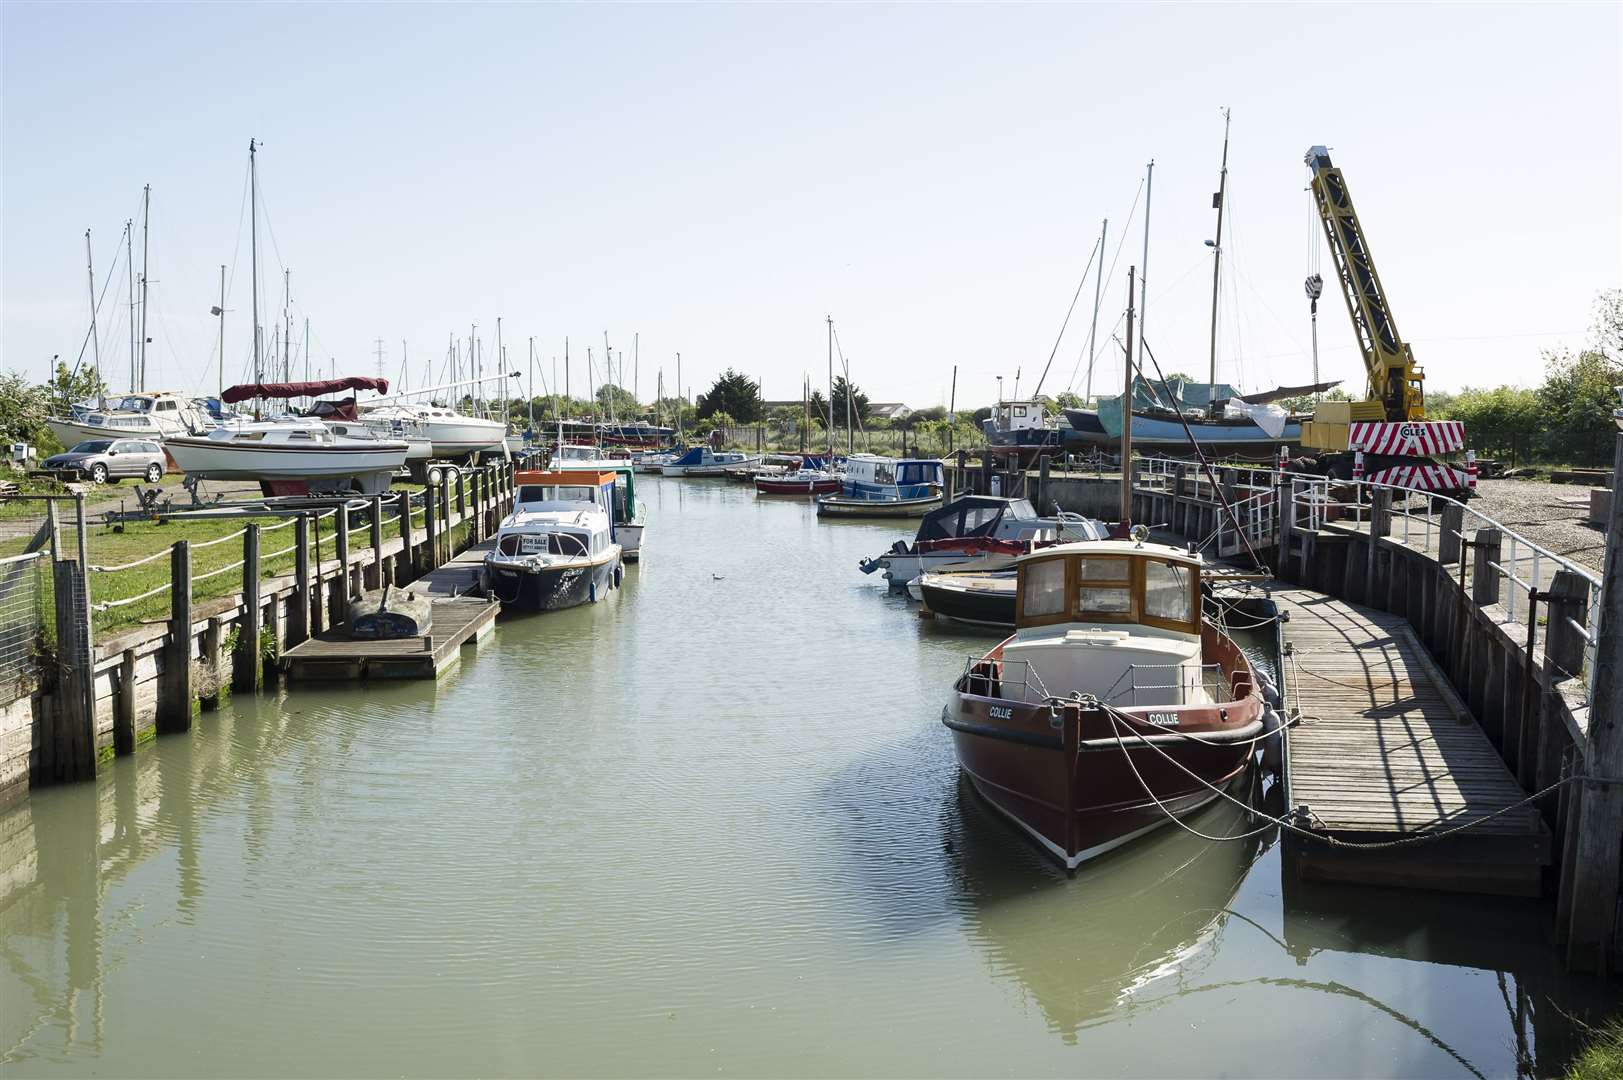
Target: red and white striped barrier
point(1470, 469)
point(1413, 438)
point(1358, 464)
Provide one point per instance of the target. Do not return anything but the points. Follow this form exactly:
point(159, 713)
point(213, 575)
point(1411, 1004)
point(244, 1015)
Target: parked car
point(110, 460)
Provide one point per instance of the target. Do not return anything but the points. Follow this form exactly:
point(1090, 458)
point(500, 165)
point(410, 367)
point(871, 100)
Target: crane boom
point(1394, 378)
point(1389, 428)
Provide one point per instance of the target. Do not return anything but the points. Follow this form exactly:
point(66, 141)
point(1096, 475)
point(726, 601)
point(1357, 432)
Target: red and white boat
point(1114, 707)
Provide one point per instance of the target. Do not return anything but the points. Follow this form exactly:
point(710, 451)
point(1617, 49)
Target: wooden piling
point(175, 690)
point(431, 548)
point(245, 667)
point(375, 572)
point(406, 565)
point(298, 615)
point(124, 706)
point(1592, 929)
point(339, 614)
point(69, 751)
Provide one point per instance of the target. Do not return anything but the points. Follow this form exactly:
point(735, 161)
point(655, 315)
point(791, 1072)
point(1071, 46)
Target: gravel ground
point(1550, 515)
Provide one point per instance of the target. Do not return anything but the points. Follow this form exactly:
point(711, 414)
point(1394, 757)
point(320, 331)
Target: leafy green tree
point(1067, 400)
point(618, 401)
point(23, 409)
point(819, 408)
point(70, 387)
point(735, 394)
point(859, 401)
point(926, 416)
point(1576, 402)
point(1496, 420)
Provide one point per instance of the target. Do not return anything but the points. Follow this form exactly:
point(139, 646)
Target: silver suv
point(110, 460)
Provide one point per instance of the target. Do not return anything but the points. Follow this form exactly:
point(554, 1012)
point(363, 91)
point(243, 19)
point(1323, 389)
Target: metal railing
point(1012, 680)
point(1528, 567)
point(1168, 684)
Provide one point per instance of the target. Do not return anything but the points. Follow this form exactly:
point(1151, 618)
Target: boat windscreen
point(966, 517)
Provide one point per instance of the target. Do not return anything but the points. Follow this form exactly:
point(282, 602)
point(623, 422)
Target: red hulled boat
point(1114, 707)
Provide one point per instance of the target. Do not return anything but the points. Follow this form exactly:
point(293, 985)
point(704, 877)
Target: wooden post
point(375, 578)
point(476, 523)
point(175, 691)
point(432, 547)
point(1568, 598)
point(986, 472)
point(1592, 935)
point(405, 566)
point(1448, 544)
point(298, 612)
point(461, 495)
point(69, 753)
point(340, 595)
point(448, 538)
point(1042, 483)
point(1380, 524)
point(124, 705)
point(209, 657)
point(1485, 555)
point(245, 668)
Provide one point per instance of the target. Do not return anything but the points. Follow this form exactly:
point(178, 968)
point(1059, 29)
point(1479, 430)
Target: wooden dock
point(1387, 750)
point(459, 577)
point(332, 655)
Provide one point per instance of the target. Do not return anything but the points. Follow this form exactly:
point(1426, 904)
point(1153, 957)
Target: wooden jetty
point(1387, 750)
point(334, 655)
point(459, 576)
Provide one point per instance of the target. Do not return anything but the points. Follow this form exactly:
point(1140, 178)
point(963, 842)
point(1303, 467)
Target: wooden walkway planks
point(1388, 749)
point(460, 576)
point(332, 655)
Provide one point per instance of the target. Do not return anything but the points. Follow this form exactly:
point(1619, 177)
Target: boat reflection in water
point(1088, 946)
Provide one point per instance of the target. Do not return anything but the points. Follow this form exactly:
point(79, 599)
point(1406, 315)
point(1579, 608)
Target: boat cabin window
point(168, 406)
point(884, 473)
point(1043, 588)
point(1166, 591)
point(1104, 586)
point(529, 493)
point(1110, 589)
point(918, 472)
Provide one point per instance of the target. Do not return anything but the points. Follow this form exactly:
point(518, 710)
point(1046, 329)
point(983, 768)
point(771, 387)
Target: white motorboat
point(343, 419)
point(452, 434)
point(557, 548)
point(153, 415)
point(630, 512)
point(703, 461)
point(296, 456)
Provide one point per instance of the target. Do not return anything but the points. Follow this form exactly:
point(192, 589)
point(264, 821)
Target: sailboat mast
point(90, 270)
point(253, 256)
point(1127, 418)
point(146, 216)
point(1144, 266)
point(1098, 283)
point(532, 384)
point(636, 367)
point(830, 320)
point(220, 388)
point(1217, 244)
point(129, 275)
point(501, 365)
point(287, 321)
point(680, 400)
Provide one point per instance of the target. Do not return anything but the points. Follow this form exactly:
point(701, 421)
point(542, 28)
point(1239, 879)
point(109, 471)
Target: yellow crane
point(1389, 427)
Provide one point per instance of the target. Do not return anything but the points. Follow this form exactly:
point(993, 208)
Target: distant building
point(889, 410)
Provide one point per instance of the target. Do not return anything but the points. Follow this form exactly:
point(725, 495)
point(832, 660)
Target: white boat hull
point(216, 459)
point(717, 469)
point(72, 432)
point(463, 436)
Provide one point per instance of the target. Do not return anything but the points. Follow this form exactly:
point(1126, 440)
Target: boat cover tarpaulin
point(249, 391)
point(1270, 418)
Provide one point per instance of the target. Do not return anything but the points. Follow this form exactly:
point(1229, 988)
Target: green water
point(710, 826)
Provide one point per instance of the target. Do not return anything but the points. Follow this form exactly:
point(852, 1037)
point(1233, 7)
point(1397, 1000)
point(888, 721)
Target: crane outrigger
point(1389, 427)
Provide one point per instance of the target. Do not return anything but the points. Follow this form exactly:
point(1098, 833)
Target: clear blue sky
point(718, 178)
